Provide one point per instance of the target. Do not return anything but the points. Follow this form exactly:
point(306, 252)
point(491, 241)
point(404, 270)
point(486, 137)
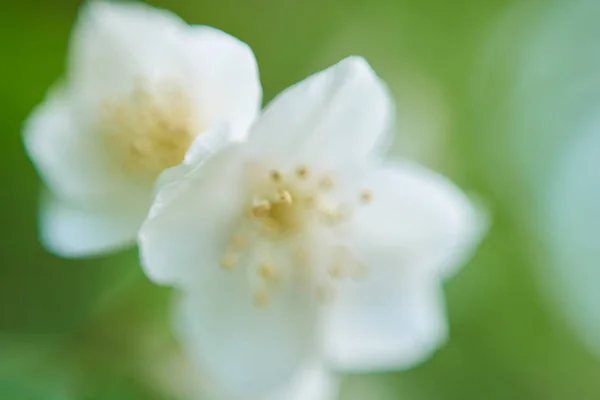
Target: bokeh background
point(503, 96)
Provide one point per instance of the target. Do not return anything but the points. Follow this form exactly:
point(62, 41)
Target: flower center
point(291, 233)
point(150, 129)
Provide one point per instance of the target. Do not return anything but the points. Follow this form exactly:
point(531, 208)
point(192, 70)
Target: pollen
point(274, 211)
point(149, 129)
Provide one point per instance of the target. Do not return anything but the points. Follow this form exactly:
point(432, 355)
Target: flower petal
point(71, 232)
point(312, 382)
point(71, 161)
point(224, 75)
point(201, 150)
point(417, 228)
point(338, 115)
point(419, 215)
point(246, 352)
point(386, 322)
point(193, 218)
point(116, 45)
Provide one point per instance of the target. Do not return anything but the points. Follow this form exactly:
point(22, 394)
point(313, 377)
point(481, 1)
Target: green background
point(97, 329)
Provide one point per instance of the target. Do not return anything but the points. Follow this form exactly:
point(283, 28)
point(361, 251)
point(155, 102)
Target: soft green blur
point(97, 329)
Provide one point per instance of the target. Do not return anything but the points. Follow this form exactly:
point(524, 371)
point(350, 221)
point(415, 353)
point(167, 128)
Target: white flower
point(300, 242)
point(141, 86)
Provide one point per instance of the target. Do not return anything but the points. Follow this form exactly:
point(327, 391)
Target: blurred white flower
point(572, 218)
point(547, 141)
point(141, 86)
point(300, 242)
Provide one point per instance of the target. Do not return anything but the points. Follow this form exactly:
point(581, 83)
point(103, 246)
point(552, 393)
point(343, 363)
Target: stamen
point(302, 172)
point(366, 196)
point(285, 197)
point(150, 128)
point(280, 213)
point(275, 176)
point(261, 208)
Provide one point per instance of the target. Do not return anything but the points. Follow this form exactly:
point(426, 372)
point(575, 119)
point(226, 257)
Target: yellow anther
point(366, 196)
point(268, 272)
point(285, 197)
point(229, 261)
point(261, 299)
point(261, 208)
point(302, 172)
point(275, 176)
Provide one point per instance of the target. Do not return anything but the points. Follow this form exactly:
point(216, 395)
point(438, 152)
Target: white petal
point(419, 215)
point(205, 146)
point(243, 351)
point(71, 232)
point(392, 320)
point(116, 45)
point(71, 160)
point(417, 229)
point(192, 219)
point(340, 114)
point(312, 382)
point(224, 76)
